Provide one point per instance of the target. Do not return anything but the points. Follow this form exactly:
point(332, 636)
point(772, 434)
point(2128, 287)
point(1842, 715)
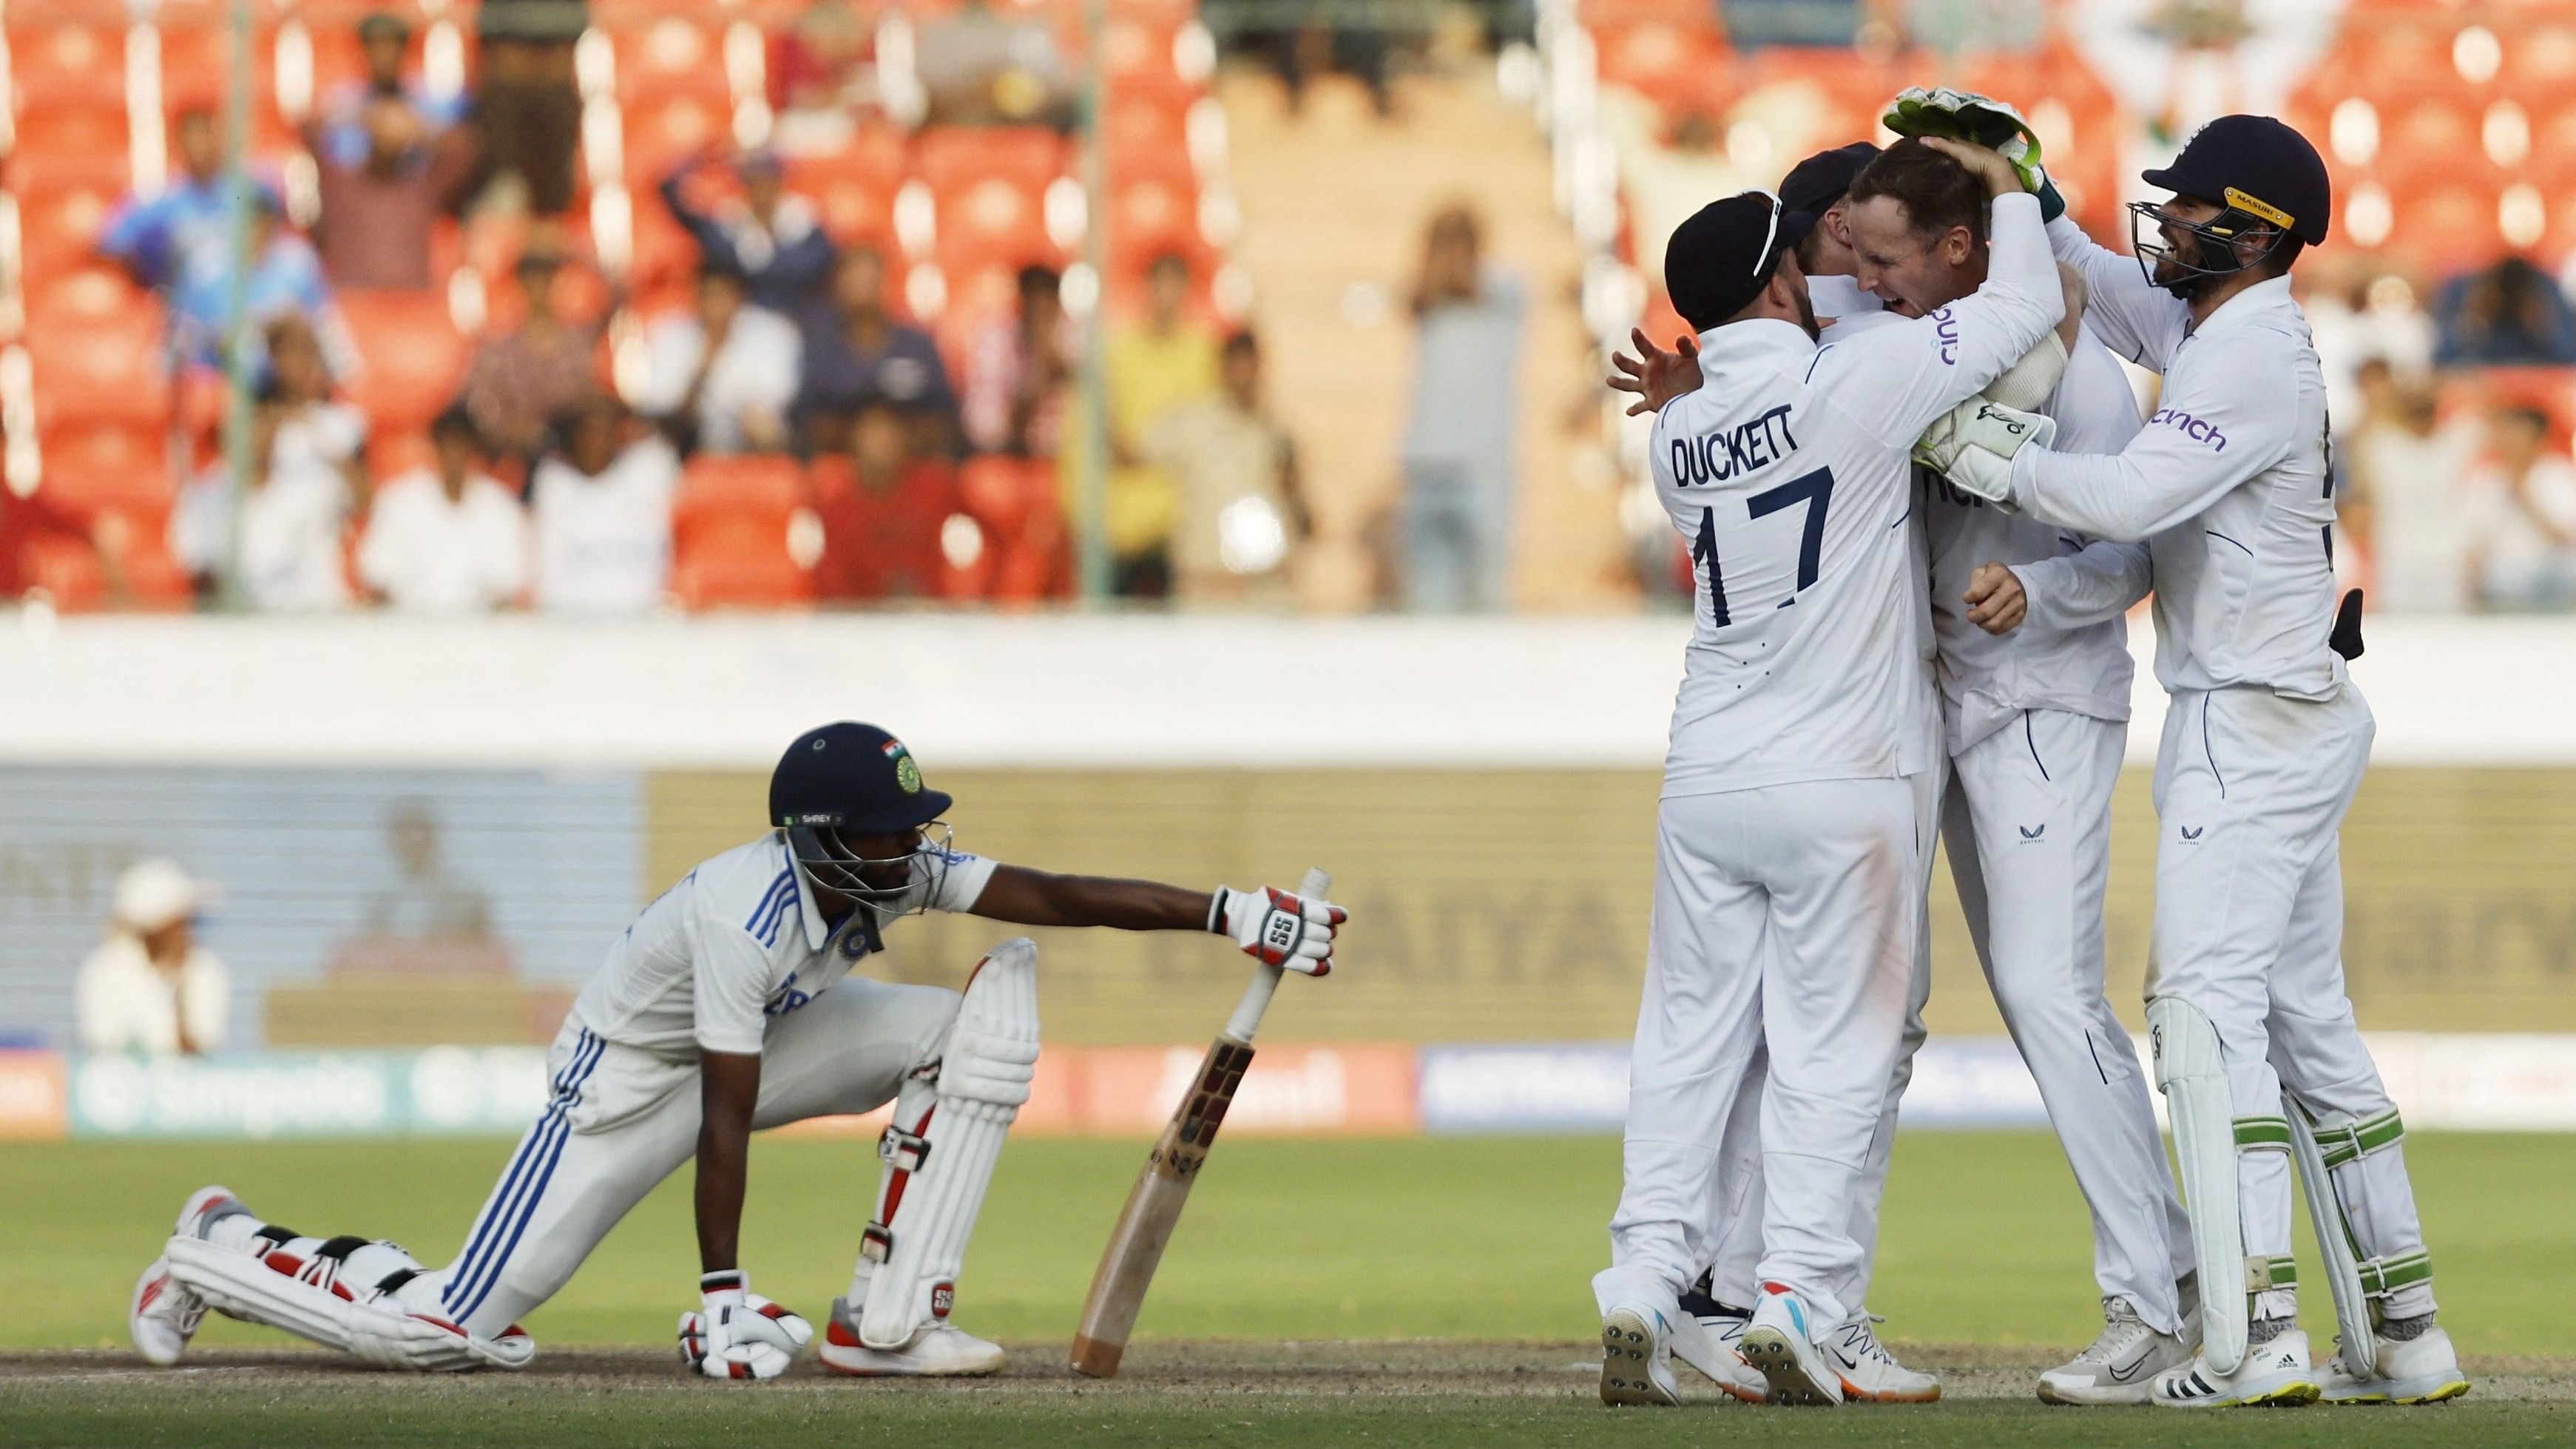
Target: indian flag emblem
point(906, 773)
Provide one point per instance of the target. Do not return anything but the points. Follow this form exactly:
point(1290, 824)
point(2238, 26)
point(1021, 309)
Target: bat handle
point(1265, 979)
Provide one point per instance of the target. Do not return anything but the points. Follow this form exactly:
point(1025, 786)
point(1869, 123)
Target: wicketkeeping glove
point(1973, 446)
point(1278, 929)
point(1967, 116)
point(737, 1334)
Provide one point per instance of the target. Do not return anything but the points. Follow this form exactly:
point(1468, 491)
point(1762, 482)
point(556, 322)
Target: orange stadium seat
point(672, 55)
point(2448, 228)
point(993, 222)
point(68, 85)
point(853, 188)
point(1680, 67)
point(69, 570)
point(1020, 507)
point(666, 129)
point(413, 358)
point(1154, 210)
point(109, 466)
point(949, 156)
point(65, 202)
point(730, 527)
point(1699, 14)
point(391, 453)
point(1147, 126)
point(98, 358)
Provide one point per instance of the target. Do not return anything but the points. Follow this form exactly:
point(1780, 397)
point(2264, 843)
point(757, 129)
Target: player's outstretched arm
point(728, 1089)
point(1279, 927)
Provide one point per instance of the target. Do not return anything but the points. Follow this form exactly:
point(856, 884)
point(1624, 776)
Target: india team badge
point(906, 773)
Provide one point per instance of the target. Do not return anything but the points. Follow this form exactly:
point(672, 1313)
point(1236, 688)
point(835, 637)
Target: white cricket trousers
point(2251, 790)
point(620, 1120)
point(2028, 826)
point(1784, 924)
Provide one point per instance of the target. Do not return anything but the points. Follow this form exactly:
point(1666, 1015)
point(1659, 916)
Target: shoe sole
point(2298, 1393)
point(2443, 1392)
point(869, 1373)
point(2118, 1396)
point(1855, 1394)
point(1768, 1352)
point(1627, 1364)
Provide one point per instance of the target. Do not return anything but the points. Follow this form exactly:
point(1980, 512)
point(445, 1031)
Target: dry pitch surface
point(1406, 1392)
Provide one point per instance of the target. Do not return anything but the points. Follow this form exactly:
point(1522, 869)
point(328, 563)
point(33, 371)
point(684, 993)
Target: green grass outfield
point(1482, 1240)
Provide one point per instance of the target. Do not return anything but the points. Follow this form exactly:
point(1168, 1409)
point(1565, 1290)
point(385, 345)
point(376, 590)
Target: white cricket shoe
point(2120, 1365)
point(939, 1350)
point(2421, 1370)
point(1723, 1325)
point(1637, 1357)
point(1869, 1372)
point(2274, 1374)
point(1780, 1347)
point(162, 1316)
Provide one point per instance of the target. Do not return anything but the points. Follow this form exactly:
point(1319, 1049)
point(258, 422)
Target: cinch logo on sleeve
point(2199, 430)
point(1716, 457)
point(1946, 328)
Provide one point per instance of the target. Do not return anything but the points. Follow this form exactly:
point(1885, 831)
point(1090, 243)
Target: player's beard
point(2177, 270)
point(1807, 317)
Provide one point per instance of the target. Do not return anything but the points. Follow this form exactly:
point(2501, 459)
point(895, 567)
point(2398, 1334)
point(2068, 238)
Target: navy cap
point(1815, 184)
point(2260, 167)
point(852, 777)
point(1722, 257)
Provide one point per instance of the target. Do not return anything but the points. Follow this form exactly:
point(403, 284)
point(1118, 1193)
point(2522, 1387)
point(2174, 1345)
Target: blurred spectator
point(2522, 517)
point(885, 507)
point(771, 237)
point(1150, 370)
point(526, 114)
point(821, 64)
point(722, 377)
point(2511, 314)
point(1018, 370)
point(2357, 313)
point(603, 514)
point(384, 43)
point(1458, 487)
point(2397, 500)
point(446, 539)
point(150, 987)
point(520, 381)
point(856, 353)
point(284, 526)
point(378, 210)
point(183, 232)
point(977, 68)
point(1240, 508)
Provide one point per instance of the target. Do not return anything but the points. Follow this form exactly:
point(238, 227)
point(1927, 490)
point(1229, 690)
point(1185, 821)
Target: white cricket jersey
point(2227, 484)
point(739, 942)
point(1787, 472)
point(2074, 654)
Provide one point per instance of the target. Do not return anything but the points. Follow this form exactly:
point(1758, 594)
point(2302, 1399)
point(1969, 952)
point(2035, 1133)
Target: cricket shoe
point(938, 1350)
point(2120, 1365)
point(162, 1316)
point(2274, 1374)
point(1637, 1357)
point(1723, 1325)
point(1869, 1372)
point(1779, 1346)
point(2420, 1370)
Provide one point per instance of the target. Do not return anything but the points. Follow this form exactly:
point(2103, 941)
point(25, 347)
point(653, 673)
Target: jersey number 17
point(1816, 490)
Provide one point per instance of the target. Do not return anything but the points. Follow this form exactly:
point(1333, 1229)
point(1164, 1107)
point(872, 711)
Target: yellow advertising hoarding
point(1511, 905)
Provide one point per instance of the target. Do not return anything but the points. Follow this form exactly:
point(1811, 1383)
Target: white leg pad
point(2360, 1346)
point(939, 1163)
point(334, 1302)
point(2192, 1073)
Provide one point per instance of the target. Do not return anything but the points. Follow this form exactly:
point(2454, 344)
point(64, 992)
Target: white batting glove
point(1278, 929)
point(737, 1334)
point(1973, 446)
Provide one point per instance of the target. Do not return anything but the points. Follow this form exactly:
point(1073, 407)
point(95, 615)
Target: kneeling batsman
point(726, 1007)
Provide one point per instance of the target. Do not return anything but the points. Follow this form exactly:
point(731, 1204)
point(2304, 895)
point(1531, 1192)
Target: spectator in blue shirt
point(856, 353)
point(163, 239)
point(771, 238)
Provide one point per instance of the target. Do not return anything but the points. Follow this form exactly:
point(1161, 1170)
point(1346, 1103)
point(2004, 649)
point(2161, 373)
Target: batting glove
point(1973, 446)
point(737, 1334)
point(1278, 929)
point(1967, 116)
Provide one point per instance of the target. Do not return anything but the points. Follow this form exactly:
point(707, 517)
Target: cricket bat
point(1154, 1208)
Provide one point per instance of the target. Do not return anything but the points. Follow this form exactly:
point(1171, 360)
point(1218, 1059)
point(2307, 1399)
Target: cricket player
point(723, 1009)
point(1786, 904)
point(2265, 741)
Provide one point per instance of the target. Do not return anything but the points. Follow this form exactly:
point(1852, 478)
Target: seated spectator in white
point(446, 539)
point(150, 987)
point(721, 378)
point(603, 514)
point(2522, 517)
point(310, 472)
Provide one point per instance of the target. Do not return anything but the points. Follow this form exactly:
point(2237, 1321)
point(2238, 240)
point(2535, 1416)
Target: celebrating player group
point(1919, 501)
